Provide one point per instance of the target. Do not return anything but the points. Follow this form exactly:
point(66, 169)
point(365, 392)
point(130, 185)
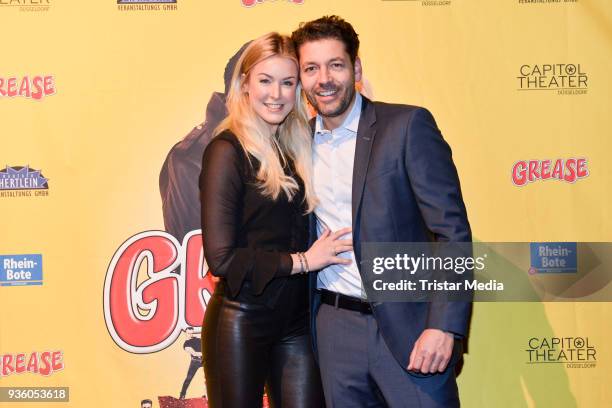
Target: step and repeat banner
point(105, 107)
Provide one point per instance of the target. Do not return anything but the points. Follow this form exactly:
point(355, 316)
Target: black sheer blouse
point(248, 237)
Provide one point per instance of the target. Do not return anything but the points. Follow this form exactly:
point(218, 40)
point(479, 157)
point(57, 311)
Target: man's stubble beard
point(345, 102)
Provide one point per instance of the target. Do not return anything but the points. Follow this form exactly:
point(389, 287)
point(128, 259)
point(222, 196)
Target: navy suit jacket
point(405, 189)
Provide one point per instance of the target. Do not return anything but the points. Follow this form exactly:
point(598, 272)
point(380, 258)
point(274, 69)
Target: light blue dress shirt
point(333, 157)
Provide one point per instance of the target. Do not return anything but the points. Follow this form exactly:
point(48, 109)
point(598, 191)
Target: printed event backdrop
point(93, 95)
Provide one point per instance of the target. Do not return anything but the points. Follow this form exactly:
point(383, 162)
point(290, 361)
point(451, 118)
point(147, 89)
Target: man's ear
point(357, 68)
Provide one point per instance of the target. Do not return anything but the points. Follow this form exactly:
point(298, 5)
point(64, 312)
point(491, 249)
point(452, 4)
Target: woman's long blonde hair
point(294, 134)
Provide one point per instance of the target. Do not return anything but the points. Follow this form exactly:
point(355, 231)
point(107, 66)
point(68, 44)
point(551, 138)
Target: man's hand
point(432, 352)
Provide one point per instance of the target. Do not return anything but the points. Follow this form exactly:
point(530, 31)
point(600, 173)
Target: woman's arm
point(221, 194)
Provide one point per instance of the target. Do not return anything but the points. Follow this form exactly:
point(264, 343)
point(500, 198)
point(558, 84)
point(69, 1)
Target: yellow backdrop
point(130, 83)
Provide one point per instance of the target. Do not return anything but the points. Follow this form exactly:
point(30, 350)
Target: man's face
point(189, 333)
point(146, 405)
point(328, 77)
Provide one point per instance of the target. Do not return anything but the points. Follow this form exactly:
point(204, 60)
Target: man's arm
point(192, 352)
point(435, 182)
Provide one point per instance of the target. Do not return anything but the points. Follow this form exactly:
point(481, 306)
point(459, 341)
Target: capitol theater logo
point(566, 79)
point(19, 181)
point(26, 5)
point(574, 352)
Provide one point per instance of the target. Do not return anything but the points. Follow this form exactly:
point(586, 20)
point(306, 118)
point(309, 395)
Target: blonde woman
point(256, 189)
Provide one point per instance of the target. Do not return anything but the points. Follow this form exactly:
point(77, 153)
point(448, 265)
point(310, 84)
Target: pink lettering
point(519, 177)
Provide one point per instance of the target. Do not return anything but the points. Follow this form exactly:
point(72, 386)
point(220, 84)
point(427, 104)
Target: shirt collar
point(351, 122)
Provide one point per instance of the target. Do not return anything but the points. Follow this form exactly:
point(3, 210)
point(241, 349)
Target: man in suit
point(386, 171)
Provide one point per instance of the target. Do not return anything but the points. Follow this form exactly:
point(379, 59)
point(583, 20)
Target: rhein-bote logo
point(566, 79)
point(26, 5)
point(22, 181)
point(147, 5)
point(553, 257)
point(21, 270)
point(574, 352)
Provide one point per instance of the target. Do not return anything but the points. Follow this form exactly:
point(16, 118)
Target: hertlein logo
point(21, 181)
point(427, 2)
point(26, 5)
point(21, 270)
point(566, 79)
point(567, 170)
point(147, 5)
point(251, 3)
point(574, 352)
point(35, 87)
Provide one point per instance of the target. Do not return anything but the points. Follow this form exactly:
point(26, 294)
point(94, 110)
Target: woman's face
point(271, 88)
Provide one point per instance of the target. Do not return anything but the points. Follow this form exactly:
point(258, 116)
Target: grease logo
point(34, 87)
point(20, 181)
point(251, 3)
point(566, 79)
point(21, 270)
point(147, 5)
point(26, 5)
point(42, 363)
point(564, 170)
point(553, 257)
point(574, 352)
point(426, 2)
point(154, 288)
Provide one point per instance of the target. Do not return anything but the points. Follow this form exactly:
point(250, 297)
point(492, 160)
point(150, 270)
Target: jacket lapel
point(363, 146)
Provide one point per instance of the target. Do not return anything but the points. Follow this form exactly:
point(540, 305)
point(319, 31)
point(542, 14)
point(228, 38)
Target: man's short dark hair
point(328, 27)
point(146, 401)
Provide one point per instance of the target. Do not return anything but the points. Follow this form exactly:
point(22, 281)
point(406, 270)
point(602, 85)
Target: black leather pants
point(247, 345)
